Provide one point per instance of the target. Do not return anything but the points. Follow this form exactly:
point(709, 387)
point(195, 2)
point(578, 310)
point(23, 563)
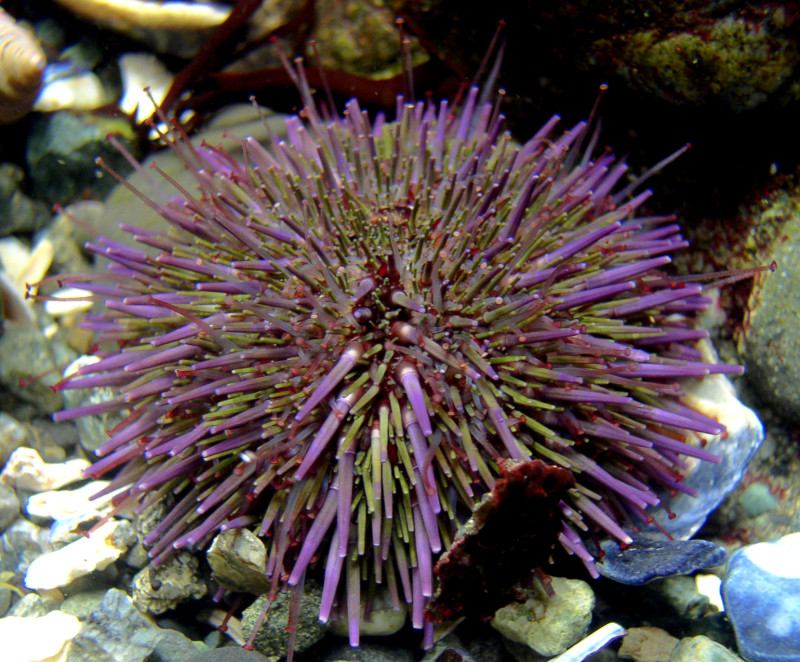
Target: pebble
point(156, 590)
point(272, 638)
point(238, 561)
point(41, 639)
point(644, 560)
point(227, 654)
point(761, 591)
point(549, 625)
point(715, 397)
point(27, 368)
point(9, 507)
point(84, 556)
point(26, 470)
point(757, 500)
point(384, 619)
point(20, 544)
point(647, 644)
point(701, 649)
point(66, 504)
point(369, 652)
point(118, 632)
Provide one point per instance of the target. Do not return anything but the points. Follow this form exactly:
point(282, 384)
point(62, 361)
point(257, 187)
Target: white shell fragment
point(144, 80)
point(66, 305)
point(38, 639)
point(26, 470)
point(82, 557)
point(591, 644)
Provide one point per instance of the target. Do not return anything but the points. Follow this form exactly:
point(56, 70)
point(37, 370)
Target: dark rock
point(227, 654)
point(644, 560)
point(9, 506)
point(21, 543)
point(760, 591)
point(26, 356)
point(272, 637)
point(118, 632)
point(61, 154)
point(19, 214)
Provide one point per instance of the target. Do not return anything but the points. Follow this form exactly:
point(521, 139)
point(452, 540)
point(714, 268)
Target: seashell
point(22, 64)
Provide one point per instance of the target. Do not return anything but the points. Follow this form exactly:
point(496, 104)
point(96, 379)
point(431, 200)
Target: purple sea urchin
point(341, 339)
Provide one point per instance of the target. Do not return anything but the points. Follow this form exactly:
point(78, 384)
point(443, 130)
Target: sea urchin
point(339, 342)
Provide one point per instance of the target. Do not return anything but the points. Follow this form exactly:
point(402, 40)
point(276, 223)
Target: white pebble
point(140, 71)
point(26, 470)
point(84, 556)
point(83, 91)
point(41, 639)
point(61, 304)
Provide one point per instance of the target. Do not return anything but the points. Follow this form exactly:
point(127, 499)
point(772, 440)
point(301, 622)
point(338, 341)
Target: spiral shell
point(22, 63)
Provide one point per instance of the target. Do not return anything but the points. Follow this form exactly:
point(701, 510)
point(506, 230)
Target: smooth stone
point(65, 504)
point(27, 368)
point(82, 557)
point(645, 560)
point(384, 619)
point(714, 396)
point(701, 649)
point(682, 595)
point(761, 591)
point(757, 500)
point(272, 638)
point(9, 507)
point(238, 561)
point(38, 639)
point(26, 470)
point(548, 625)
point(647, 644)
point(369, 652)
point(156, 590)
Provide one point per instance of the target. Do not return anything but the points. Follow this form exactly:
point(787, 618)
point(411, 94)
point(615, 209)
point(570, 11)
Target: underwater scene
point(399, 331)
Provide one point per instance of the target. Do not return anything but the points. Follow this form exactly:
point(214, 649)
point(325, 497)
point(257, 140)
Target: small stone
point(701, 649)
point(644, 560)
point(65, 504)
point(61, 152)
point(20, 544)
point(647, 644)
point(9, 507)
point(682, 595)
point(156, 590)
point(81, 605)
point(228, 654)
point(118, 632)
point(26, 470)
point(549, 625)
point(19, 213)
point(238, 561)
point(369, 652)
point(757, 500)
point(33, 605)
point(84, 556)
point(761, 591)
point(27, 356)
point(272, 638)
point(41, 639)
point(384, 619)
